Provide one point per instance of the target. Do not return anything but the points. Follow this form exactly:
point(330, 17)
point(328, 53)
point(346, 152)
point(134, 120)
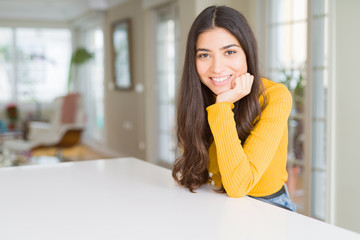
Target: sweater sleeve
point(241, 166)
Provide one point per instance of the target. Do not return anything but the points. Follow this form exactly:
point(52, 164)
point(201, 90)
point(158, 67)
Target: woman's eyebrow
point(223, 48)
point(229, 46)
point(203, 50)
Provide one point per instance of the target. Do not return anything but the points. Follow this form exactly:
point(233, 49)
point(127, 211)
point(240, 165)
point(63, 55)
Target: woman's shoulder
point(268, 84)
point(276, 91)
point(271, 87)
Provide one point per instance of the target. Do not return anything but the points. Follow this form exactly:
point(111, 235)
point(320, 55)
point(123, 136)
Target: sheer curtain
point(91, 83)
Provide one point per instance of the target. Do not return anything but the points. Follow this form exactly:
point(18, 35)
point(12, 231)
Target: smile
point(220, 79)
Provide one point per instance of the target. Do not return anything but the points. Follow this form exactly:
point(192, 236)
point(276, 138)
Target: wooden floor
point(77, 153)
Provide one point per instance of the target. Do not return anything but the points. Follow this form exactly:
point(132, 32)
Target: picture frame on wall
point(121, 46)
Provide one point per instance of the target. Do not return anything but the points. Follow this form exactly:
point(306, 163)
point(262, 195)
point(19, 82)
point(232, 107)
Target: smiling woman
point(220, 59)
point(232, 124)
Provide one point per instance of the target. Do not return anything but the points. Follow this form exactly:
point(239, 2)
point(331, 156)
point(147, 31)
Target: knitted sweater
point(258, 166)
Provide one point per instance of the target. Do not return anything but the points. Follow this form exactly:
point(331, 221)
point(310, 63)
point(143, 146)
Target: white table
point(131, 199)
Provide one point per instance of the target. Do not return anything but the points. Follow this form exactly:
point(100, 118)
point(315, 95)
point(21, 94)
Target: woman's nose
point(217, 65)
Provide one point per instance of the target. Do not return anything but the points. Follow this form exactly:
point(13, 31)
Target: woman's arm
point(241, 167)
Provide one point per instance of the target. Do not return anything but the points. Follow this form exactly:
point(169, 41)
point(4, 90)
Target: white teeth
point(220, 79)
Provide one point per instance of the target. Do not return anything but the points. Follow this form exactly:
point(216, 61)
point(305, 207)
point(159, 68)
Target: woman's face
point(219, 59)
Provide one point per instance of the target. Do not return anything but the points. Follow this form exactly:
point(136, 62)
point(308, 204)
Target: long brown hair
point(193, 130)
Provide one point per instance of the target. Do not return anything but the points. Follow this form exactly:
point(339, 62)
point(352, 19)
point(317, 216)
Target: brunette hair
point(193, 131)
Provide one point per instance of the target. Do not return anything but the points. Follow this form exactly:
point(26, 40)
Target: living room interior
point(120, 61)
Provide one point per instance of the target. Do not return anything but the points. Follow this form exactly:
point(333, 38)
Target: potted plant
point(12, 115)
point(294, 81)
point(79, 57)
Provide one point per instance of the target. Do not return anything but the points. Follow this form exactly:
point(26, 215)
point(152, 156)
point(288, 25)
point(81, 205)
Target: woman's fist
point(240, 87)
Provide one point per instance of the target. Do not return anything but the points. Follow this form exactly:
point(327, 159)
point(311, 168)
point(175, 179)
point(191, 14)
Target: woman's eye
point(230, 52)
point(203, 55)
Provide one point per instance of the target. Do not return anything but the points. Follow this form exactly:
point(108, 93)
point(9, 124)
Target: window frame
point(264, 40)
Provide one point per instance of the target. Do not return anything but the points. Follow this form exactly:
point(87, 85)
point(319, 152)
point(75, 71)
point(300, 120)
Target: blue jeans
point(281, 201)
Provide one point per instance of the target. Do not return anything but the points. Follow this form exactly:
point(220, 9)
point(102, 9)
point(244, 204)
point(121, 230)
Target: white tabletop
point(131, 199)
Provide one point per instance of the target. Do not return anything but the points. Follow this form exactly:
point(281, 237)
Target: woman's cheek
point(200, 71)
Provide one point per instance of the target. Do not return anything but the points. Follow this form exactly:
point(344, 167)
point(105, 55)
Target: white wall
point(124, 109)
point(347, 120)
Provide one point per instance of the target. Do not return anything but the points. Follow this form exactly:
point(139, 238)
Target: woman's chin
point(220, 90)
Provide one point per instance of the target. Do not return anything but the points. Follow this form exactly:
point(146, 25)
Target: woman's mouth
point(219, 81)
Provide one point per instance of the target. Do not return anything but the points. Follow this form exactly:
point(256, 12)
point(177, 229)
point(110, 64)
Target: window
point(319, 69)
point(287, 61)
point(166, 74)
point(299, 61)
point(34, 64)
point(6, 65)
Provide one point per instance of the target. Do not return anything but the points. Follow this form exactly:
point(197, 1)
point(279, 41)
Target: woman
point(232, 124)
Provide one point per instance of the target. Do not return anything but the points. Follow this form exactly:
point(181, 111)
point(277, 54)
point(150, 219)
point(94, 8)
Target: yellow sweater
point(258, 167)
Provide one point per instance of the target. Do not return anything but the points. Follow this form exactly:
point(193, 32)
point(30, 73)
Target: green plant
point(294, 81)
point(12, 114)
point(5, 53)
point(79, 57)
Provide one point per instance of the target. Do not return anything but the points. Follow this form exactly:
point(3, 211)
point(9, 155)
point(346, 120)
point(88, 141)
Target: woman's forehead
point(216, 38)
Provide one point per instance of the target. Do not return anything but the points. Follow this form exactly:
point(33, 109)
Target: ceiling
point(54, 10)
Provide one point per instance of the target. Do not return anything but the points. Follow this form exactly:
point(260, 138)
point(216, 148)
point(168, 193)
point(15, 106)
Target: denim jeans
point(281, 201)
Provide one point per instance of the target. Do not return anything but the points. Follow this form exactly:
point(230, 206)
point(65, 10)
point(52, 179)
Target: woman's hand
point(240, 87)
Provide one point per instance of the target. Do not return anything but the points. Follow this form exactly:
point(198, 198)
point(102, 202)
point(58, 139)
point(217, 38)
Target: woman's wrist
point(220, 105)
